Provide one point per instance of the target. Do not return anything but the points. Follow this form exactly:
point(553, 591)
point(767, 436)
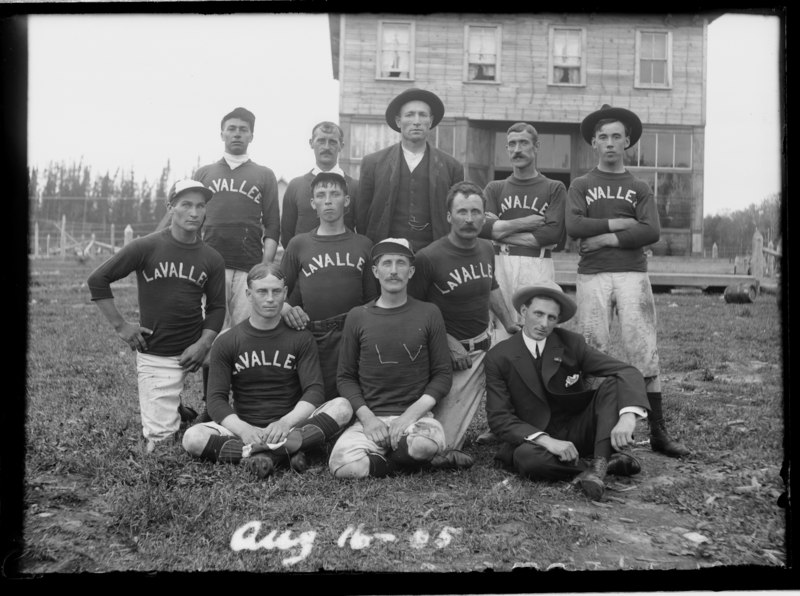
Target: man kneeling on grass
point(394, 365)
point(537, 401)
point(279, 412)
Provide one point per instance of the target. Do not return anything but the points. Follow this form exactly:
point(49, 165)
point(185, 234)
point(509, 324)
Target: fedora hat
point(549, 289)
point(414, 94)
point(627, 117)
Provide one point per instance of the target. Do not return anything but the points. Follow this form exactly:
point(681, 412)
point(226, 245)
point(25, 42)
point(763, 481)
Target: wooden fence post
point(111, 242)
point(757, 258)
point(63, 236)
point(47, 246)
point(714, 251)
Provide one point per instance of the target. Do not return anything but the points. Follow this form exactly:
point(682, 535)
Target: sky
point(134, 91)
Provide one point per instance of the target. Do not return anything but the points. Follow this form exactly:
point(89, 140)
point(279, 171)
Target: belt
point(471, 345)
point(336, 322)
point(522, 251)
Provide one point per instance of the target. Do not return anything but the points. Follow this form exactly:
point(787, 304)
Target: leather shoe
point(623, 464)
point(591, 480)
point(259, 464)
point(298, 462)
point(487, 438)
point(661, 442)
point(452, 459)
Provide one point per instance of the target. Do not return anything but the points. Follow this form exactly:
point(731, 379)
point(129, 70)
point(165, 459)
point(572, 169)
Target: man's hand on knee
point(564, 450)
point(622, 433)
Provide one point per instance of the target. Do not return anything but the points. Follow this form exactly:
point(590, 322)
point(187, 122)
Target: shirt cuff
point(530, 438)
point(638, 410)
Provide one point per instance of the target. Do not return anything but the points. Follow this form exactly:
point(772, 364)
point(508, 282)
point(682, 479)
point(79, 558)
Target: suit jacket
point(379, 183)
point(516, 402)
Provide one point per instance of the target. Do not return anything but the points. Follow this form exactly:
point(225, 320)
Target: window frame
point(498, 37)
point(655, 170)
point(551, 63)
point(411, 51)
point(638, 57)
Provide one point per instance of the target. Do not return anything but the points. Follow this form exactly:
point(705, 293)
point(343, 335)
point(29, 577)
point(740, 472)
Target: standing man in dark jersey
point(327, 273)
point(279, 412)
point(175, 270)
point(614, 216)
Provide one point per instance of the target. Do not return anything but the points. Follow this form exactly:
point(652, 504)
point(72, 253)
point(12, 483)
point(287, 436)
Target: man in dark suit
point(402, 189)
point(539, 403)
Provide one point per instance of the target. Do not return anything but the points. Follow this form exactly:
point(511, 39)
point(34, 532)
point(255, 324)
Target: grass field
point(95, 503)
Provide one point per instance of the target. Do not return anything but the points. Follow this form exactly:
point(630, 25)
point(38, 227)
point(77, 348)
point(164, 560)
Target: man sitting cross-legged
point(394, 366)
point(538, 404)
point(279, 413)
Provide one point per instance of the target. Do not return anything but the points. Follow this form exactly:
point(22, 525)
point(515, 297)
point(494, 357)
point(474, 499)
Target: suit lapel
point(551, 358)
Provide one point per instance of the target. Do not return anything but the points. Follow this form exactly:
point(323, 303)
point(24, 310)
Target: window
point(661, 149)
point(396, 50)
point(482, 49)
point(654, 59)
point(566, 56)
point(665, 159)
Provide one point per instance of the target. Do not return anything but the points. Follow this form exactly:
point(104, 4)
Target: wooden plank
point(688, 280)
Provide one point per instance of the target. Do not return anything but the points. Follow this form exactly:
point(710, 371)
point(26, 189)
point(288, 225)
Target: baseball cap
point(393, 246)
point(181, 186)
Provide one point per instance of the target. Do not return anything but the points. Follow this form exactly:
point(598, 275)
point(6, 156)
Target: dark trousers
point(588, 429)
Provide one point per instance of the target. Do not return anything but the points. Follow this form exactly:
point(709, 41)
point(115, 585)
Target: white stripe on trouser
point(456, 410)
point(513, 272)
point(237, 306)
point(161, 380)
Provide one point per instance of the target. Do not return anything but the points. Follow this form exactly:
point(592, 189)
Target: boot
point(660, 440)
point(591, 480)
point(452, 459)
point(623, 464)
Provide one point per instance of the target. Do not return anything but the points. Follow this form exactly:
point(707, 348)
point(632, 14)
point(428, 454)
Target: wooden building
point(547, 69)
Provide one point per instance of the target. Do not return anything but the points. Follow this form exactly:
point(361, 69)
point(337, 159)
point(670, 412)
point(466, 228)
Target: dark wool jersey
point(268, 370)
point(171, 279)
point(298, 216)
point(243, 211)
point(513, 198)
point(328, 275)
point(390, 357)
point(458, 281)
point(596, 197)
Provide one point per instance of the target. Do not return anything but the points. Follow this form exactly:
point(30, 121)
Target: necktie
point(537, 361)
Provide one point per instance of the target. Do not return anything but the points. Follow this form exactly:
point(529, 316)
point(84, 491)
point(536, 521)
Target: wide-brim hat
point(549, 289)
point(415, 94)
point(181, 186)
point(627, 117)
point(392, 246)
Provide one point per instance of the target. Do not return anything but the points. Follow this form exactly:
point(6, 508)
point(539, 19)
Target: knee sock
point(223, 449)
point(313, 433)
point(656, 413)
point(205, 382)
point(402, 458)
point(379, 466)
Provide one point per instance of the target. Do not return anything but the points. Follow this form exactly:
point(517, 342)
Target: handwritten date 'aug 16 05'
point(246, 537)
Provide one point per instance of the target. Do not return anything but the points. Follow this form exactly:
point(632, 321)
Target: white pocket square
point(572, 379)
